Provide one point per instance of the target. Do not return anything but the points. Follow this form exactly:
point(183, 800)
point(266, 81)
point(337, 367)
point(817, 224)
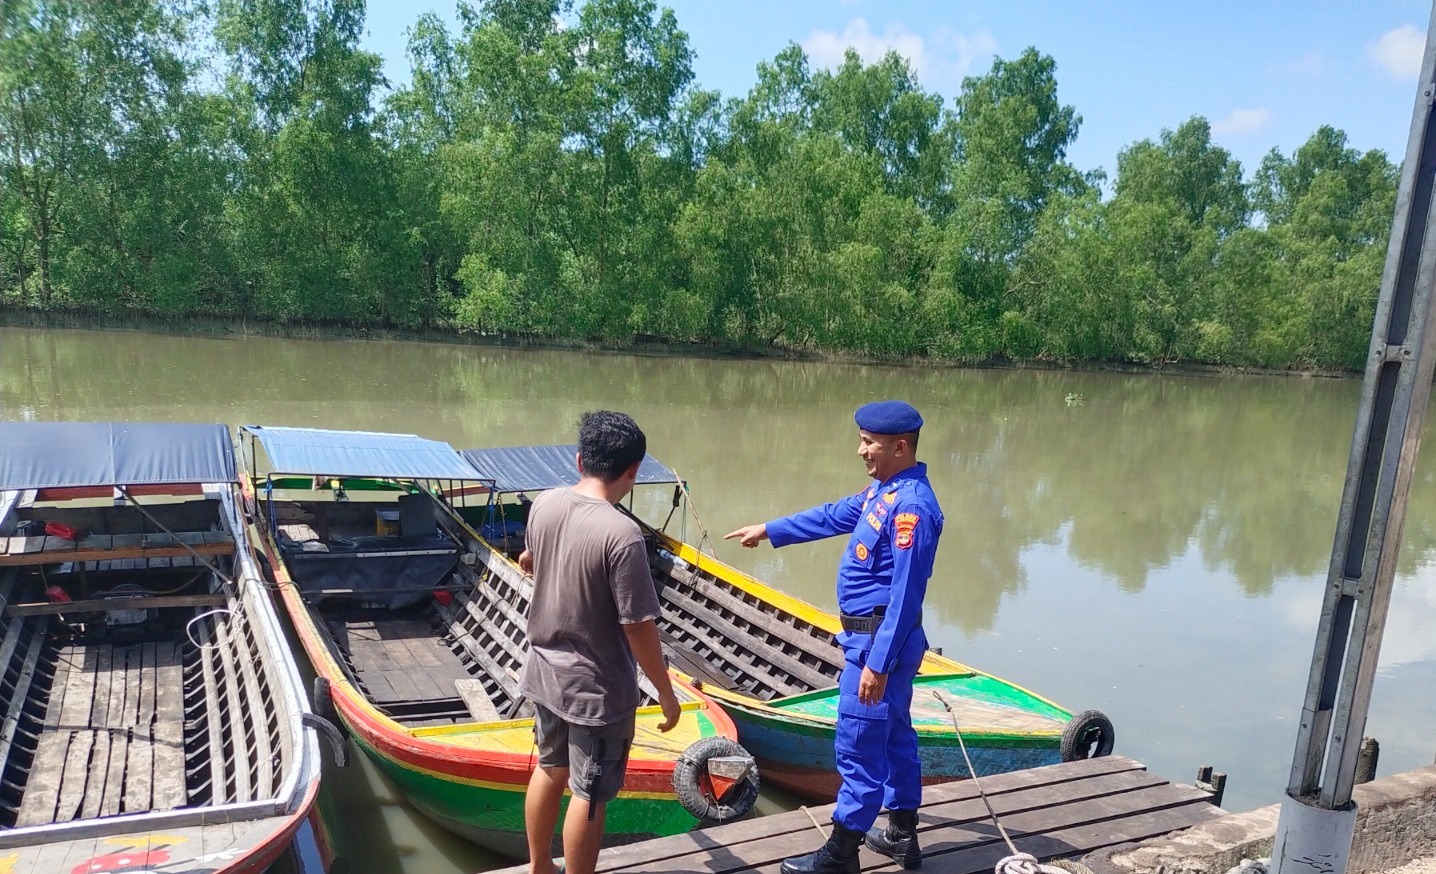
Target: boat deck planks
point(1058, 811)
point(400, 660)
point(113, 548)
point(112, 739)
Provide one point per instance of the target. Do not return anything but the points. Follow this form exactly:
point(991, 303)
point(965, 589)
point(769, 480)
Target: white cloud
point(1243, 121)
point(940, 59)
point(1399, 51)
point(1313, 63)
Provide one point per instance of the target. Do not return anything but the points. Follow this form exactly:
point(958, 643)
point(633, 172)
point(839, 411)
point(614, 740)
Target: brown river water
point(1154, 546)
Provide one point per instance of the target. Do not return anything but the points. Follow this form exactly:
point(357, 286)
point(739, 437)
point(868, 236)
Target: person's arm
point(913, 540)
point(825, 520)
point(648, 651)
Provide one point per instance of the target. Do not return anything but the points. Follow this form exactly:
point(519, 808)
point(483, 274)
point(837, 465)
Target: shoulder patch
point(904, 524)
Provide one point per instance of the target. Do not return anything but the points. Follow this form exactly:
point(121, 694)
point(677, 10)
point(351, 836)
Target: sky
point(1265, 74)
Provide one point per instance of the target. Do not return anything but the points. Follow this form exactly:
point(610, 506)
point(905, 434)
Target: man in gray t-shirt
point(592, 615)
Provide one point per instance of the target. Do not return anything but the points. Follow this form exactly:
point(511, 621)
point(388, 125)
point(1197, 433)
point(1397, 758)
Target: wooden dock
point(1056, 812)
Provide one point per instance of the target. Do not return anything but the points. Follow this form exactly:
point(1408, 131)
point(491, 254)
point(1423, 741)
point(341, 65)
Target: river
point(1154, 546)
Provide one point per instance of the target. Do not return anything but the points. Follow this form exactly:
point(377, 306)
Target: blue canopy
point(318, 452)
point(535, 468)
point(45, 455)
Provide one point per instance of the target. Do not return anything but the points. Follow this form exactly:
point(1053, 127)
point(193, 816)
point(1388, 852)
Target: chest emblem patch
point(861, 552)
point(905, 524)
point(889, 498)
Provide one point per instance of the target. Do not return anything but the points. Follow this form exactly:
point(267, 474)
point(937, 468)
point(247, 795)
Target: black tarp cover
point(393, 571)
point(42, 455)
point(535, 468)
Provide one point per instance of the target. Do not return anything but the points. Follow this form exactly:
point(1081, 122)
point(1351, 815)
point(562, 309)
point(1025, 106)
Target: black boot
point(899, 839)
point(838, 856)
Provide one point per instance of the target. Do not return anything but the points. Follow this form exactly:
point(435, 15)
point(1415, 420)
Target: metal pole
point(1317, 818)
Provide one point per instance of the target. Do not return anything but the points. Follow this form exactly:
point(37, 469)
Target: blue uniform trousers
point(876, 745)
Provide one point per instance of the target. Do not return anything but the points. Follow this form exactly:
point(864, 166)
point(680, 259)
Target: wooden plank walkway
point(1060, 811)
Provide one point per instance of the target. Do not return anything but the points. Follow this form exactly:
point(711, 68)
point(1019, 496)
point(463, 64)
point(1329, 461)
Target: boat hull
point(492, 815)
point(799, 757)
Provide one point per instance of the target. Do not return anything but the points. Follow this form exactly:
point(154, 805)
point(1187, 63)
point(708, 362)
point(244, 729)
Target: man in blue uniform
point(894, 523)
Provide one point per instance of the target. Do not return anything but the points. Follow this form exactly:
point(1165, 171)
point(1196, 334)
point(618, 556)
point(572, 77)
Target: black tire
point(1088, 735)
point(322, 703)
point(688, 782)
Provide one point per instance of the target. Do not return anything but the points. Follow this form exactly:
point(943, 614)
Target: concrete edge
point(1395, 824)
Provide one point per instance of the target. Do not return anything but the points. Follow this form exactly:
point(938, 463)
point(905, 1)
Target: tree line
point(555, 171)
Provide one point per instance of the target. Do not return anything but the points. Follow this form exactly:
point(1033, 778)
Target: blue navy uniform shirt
point(895, 527)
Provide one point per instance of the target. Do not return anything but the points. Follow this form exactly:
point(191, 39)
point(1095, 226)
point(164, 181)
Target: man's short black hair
point(609, 443)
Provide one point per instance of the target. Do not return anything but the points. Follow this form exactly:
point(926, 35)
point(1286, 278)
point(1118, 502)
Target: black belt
point(863, 624)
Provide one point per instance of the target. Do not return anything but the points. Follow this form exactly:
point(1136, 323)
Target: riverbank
point(240, 327)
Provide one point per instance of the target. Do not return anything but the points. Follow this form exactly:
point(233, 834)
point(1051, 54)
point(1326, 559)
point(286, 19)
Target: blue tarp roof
point(535, 468)
point(43, 455)
point(317, 452)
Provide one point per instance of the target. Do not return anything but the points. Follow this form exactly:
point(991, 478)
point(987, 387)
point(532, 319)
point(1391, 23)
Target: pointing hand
point(749, 535)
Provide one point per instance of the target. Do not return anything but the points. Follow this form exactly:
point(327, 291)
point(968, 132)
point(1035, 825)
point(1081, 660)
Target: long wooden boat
point(152, 713)
point(773, 660)
point(419, 632)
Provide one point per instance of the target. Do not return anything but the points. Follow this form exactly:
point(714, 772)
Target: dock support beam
point(1317, 821)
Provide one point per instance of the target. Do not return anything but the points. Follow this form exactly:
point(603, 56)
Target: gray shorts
point(596, 755)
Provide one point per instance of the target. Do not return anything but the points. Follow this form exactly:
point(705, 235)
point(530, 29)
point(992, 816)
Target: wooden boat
point(419, 632)
point(773, 661)
point(153, 716)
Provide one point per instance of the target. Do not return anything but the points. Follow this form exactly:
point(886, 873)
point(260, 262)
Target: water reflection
point(1153, 545)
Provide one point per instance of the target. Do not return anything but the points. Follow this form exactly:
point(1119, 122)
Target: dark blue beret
point(888, 417)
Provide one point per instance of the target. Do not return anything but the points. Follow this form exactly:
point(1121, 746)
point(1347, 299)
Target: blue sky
point(1265, 74)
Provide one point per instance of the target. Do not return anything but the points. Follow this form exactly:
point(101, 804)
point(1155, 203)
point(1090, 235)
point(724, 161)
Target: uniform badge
point(890, 498)
point(875, 522)
point(861, 552)
point(905, 523)
point(881, 510)
point(872, 493)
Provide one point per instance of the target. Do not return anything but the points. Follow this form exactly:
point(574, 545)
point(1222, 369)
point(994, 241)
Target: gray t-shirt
point(591, 578)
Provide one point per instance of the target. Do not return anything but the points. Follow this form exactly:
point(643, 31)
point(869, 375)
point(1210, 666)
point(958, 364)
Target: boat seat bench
point(113, 736)
point(42, 550)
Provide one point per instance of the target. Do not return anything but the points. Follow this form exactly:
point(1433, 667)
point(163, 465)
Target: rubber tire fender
point(692, 766)
point(1088, 735)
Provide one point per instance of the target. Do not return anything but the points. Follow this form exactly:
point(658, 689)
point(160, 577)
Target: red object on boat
point(444, 598)
point(60, 529)
point(57, 595)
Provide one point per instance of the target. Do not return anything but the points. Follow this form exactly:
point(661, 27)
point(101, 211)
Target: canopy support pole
point(1318, 820)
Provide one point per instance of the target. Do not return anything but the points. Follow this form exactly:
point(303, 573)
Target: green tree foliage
point(552, 170)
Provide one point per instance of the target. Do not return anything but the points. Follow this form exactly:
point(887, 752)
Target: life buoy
point(713, 797)
point(1088, 735)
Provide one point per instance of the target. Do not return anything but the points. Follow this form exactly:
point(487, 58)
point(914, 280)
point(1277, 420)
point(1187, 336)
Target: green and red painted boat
point(416, 631)
point(772, 661)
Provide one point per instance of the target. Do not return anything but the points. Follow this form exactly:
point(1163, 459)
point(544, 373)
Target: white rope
point(1018, 862)
point(189, 628)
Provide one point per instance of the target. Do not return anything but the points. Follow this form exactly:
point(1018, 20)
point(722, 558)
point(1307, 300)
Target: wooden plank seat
point(113, 736)
point(104, 605)
point(112, 547)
